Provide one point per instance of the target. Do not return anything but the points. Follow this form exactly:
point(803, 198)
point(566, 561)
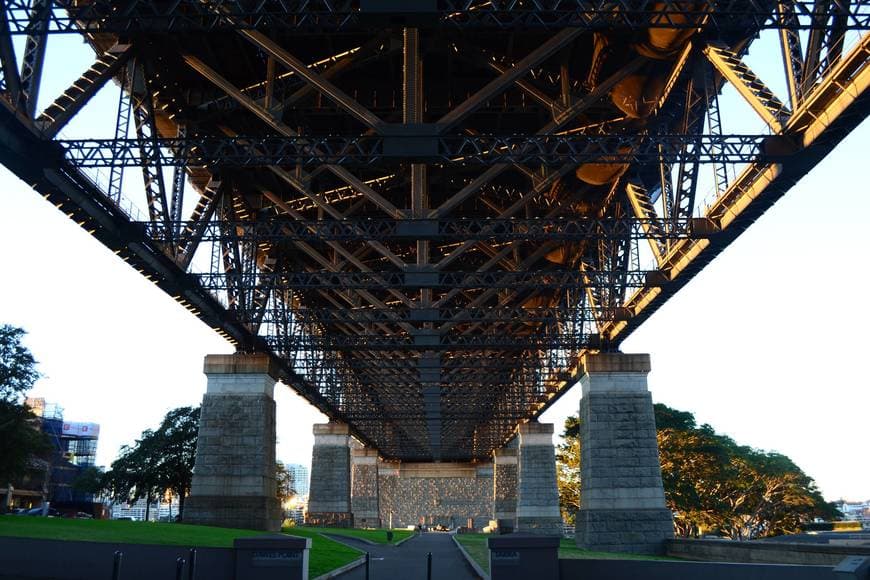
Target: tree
point(159, 461)
point(21, 441)
point(711, 483)
point(21, 438)
point(176, 437)
point(568, 470)
point(133, 475)
point(91, 480)
point(18, 371)
point(286, 488)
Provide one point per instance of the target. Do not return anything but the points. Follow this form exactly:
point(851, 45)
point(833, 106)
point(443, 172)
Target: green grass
point(325, 554)
point(475, 545)
point(378, 536)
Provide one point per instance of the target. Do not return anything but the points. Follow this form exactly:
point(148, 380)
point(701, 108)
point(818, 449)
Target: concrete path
point(408, 561)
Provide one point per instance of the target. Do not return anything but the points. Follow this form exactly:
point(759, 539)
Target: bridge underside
point(427, 218)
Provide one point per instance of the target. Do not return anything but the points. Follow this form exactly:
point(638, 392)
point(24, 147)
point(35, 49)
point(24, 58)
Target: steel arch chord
point(72, 16)
point(426, 216)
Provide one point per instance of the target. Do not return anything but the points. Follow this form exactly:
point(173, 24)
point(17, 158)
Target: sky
point(767, 344)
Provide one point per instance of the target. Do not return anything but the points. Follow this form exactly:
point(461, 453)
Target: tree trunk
point(181, 506)
point(147, 506)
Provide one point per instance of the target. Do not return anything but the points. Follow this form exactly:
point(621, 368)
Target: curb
point(340, 537)
point(346, 568)
point(471, 561)
point(400, 542)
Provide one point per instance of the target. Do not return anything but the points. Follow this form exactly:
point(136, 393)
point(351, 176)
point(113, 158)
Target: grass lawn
point(325, 554)
point(475, 545)
point(378, 536)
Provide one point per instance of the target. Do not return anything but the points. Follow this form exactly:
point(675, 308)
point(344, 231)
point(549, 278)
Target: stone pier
point(504, 488)
point(622, 499)
point(364, 488)
point(234, 475)
point(329, 494)
point(537, 494)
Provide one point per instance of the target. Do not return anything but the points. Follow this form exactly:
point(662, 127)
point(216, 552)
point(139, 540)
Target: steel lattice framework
point(427, 210)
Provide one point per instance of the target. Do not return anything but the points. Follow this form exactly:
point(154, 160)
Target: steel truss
point(455, 150)
point(444, 229)
point(140, 16)
point(427, 250)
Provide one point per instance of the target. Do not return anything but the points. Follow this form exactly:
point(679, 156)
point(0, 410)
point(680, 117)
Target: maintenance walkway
point(408, 561)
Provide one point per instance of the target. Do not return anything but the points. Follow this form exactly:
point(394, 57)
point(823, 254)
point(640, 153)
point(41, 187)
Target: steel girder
point(427, 250)
point(534, 150)
point(140, 16)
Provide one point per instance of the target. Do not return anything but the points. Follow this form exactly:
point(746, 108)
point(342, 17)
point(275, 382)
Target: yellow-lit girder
point(750, 87)
point(848, 81)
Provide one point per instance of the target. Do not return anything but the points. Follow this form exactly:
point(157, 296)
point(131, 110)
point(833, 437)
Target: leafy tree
point(21, 439)
point(90, 480)
point(177, 445)
point(568, 470)
point(286, 488)
point(711, 483)
point(18, 371)
point(133, 475)
point(161, 460)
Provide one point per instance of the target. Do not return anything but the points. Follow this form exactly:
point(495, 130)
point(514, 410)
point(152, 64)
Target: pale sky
point(768, 344)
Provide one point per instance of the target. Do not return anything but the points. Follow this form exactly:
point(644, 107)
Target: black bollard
point(368, 569)
point(116, 565)
point(191, 568)
point(179, 568)
point(429, 566)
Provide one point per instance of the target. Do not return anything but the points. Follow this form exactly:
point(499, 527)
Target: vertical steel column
point(412, 116)
point(122, 127)
point(8, 63)
point(792, 54)
point(34, 55)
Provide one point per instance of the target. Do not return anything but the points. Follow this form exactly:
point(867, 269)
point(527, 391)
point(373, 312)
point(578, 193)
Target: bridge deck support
point(364, 488)
point(622, 499)
point(537, 495)
point(329, 494)
point(504, 483)
point(234, 478)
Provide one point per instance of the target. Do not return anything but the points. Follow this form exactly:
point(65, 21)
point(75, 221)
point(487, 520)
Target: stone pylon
point(537, 494)
point(364, 488)
point(234, 475)
point(504, 484)
point(329, 494)
point(622, 501)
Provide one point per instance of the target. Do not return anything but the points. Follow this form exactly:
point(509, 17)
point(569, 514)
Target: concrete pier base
point(364, 488)
point(622, 499)
point(329, 494)
point(234, 476)
point(504, 480)
point(537, 494)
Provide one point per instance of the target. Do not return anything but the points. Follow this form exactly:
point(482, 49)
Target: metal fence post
point(179, 568)
point(368, 566)
point(429, 566)
point(191, 568)
point(116, 565)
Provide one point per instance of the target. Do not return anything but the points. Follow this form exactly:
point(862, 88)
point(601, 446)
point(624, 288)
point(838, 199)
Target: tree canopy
point(21, 439)
point(712, 484)
point(18, 371)
point(159, 461)
point(286, 482)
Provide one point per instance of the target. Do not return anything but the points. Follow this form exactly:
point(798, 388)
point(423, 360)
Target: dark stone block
point(246, 512)
point(520, 556)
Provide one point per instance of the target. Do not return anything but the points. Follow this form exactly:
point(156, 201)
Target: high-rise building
point(300, 477)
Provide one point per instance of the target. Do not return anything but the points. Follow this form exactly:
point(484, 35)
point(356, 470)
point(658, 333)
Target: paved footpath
point(408, 561)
